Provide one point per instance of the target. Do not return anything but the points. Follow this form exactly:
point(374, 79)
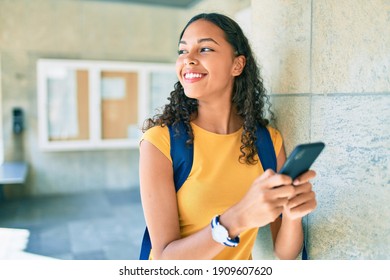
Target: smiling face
point(206, 65)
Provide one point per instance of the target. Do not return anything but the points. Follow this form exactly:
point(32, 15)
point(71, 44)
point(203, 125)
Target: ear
point(239, 65)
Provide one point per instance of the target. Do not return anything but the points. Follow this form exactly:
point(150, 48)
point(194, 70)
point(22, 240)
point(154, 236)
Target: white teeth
point(193, 75)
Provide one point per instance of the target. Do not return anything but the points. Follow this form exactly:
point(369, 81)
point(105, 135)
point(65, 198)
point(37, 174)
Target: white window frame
point(144, 71)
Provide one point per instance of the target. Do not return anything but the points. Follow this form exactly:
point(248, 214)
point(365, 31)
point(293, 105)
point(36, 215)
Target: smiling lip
point(191, 77)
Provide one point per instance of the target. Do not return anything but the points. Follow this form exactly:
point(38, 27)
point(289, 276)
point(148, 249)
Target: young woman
point(221, 99)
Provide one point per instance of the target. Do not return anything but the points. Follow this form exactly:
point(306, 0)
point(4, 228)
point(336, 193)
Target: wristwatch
point(221, 235)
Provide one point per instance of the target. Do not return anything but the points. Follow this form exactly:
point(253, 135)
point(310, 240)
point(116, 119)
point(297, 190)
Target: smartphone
point(301, 159)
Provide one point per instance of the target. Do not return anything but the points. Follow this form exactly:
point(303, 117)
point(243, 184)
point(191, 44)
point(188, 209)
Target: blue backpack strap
point(265, 148)
point(304, 251)
point(182, 154)
point(182, 158)
point(146, 246)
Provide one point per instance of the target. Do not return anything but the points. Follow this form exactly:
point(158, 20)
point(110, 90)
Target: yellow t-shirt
point(216, 182)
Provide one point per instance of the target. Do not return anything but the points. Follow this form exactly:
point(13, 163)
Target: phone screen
point(301, 159)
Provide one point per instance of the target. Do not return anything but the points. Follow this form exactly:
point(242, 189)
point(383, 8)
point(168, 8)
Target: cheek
point(222, 73)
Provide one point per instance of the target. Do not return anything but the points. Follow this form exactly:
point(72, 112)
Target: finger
point(282, 192)
point(304, 188)
point(269, 179)
point(303, 209)
point(281, 202)
point(305, 177)
point(277, 180)
point(267, 174)
point(300, 200)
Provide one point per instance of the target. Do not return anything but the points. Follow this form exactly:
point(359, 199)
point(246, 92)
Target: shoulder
point(156, 131)
point(276, 137)
point(275, 134)
point(159, 137)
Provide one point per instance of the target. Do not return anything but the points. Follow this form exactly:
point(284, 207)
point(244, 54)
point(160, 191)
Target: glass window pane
point(162, 83)
point(67, 104)
point(119, 95)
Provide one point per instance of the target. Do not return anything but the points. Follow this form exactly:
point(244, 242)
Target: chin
point(191, 94)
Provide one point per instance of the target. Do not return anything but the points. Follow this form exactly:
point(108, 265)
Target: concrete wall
point(325, 62)
point(227, 7)
point(30, 30)
point(327, 65)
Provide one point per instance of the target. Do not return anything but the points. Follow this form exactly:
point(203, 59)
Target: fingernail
point(296, 182)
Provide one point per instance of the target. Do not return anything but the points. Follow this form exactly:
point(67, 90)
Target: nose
point(190, 61)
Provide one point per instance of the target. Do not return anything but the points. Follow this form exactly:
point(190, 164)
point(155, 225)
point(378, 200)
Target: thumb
point(267, 174)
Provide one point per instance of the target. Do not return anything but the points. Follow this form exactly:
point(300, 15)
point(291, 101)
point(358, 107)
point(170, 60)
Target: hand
point(262, 204)
point(304, 200)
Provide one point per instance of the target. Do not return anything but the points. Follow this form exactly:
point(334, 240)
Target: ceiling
point(166, 3)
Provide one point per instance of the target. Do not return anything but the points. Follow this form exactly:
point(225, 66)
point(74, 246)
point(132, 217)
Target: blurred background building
point(326, 64)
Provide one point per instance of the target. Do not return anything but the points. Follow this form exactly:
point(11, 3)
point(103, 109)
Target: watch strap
point(230, 242)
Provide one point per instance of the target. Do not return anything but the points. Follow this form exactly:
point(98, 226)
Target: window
point(98, 104)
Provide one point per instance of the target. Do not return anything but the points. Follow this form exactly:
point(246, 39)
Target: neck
point(218, 118)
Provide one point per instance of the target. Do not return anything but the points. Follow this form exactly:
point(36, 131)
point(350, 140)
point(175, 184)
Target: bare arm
point(287, 232)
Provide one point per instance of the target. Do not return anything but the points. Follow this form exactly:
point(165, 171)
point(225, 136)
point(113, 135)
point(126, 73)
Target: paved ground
point(102, 225)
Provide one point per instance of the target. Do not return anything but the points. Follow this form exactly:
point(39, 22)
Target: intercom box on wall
point(17, 120)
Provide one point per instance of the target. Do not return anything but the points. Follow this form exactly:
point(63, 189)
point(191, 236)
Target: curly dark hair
point(249, 95)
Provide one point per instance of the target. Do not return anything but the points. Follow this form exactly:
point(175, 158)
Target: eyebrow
point(200, 41)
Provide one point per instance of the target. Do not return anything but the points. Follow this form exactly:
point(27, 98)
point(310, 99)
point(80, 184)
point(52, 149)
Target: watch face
point(220, 234)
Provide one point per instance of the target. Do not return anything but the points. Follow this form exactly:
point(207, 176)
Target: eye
point(180, 52)
point(206, 50)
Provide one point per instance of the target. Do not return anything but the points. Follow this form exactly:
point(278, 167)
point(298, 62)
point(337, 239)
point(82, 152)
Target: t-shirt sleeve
point(159, 137)
point(276, 139)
